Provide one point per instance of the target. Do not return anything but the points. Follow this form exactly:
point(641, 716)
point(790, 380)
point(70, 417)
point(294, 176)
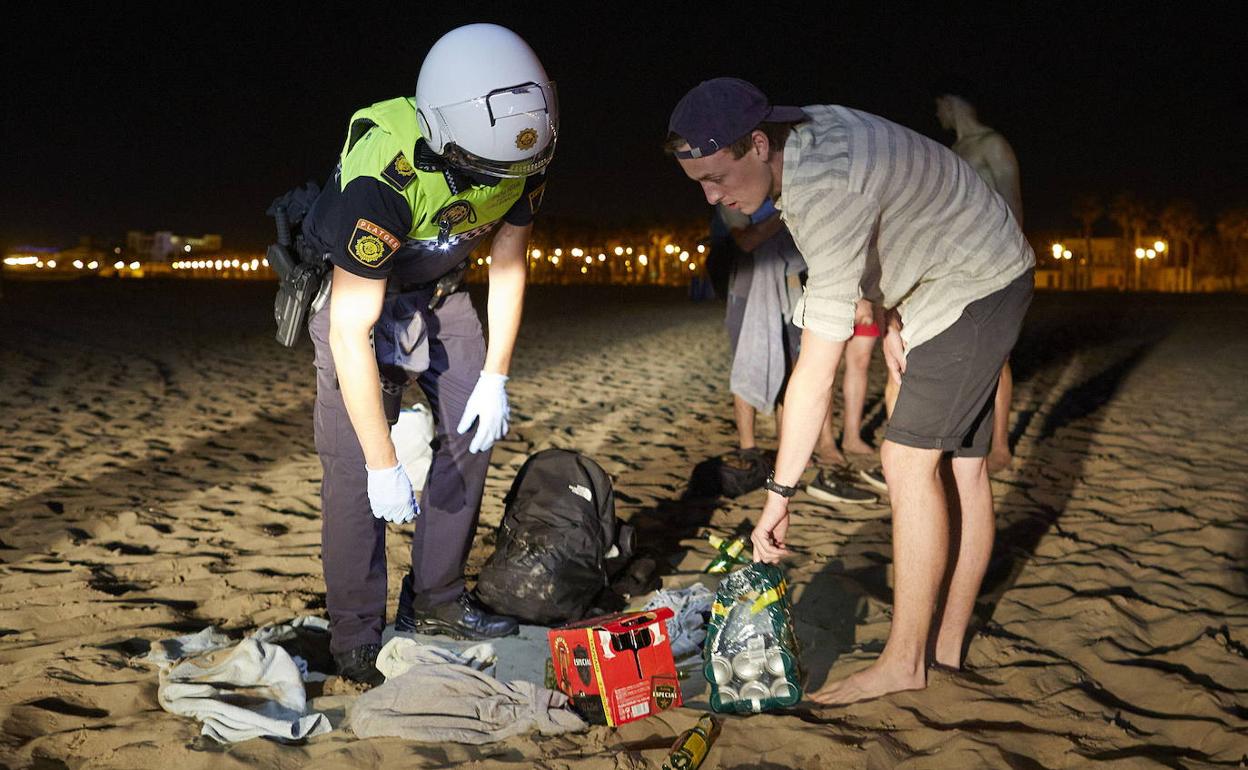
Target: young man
point(880, 211)
point(420, 182)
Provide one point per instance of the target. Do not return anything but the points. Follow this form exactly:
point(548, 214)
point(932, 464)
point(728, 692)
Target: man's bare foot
point(873, 682)
point(858, 447)
point(999, 460)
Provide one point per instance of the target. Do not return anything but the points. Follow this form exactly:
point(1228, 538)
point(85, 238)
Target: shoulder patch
point(371, 245)
point(399, 173)
point(535, 198)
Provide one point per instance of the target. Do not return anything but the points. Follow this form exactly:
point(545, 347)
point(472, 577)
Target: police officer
point(420, 182)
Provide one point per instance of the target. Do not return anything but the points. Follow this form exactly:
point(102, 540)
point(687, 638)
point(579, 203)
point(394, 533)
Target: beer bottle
point(691, 747)
point(729, 554)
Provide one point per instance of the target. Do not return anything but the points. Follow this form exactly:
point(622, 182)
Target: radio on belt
point(616, 668)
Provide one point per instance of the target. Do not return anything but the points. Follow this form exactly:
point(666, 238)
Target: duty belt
point(442, 287)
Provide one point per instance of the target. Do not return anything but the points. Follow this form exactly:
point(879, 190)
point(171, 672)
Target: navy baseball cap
point(718, 112)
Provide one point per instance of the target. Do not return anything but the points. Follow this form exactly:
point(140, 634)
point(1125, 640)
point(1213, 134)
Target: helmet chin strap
point(457, 179)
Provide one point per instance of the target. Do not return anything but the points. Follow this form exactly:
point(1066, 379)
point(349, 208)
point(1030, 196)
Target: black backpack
point(550, 557)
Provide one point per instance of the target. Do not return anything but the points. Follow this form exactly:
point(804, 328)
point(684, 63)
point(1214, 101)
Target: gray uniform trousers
point(444, 351)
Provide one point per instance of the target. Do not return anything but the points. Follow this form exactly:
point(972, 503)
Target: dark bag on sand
point(734, 474)
point(550, 559)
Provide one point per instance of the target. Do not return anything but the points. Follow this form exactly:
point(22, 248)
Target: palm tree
point(1088, 210)
point(1131, 215)
point(1181, 225)
point(1233, 230)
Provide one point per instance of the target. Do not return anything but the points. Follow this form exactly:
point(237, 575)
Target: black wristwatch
point(780, 489)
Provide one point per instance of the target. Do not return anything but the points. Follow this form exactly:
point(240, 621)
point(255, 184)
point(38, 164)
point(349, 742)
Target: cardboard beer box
point(616, 668)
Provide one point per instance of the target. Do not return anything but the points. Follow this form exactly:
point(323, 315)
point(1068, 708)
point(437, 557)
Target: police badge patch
point(453, 213)
point(371, 245)
point(399, 173)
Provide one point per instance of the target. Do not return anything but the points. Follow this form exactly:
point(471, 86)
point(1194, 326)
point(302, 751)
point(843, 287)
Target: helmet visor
point(507, 133)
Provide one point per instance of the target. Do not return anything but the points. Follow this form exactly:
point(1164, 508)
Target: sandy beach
point(157, 476)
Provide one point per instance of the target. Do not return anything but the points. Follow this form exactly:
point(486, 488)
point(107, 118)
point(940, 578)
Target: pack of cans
point(751, 657)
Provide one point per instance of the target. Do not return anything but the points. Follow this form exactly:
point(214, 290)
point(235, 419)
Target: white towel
point(254, 690)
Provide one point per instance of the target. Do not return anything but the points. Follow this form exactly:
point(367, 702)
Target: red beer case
point(616, 668)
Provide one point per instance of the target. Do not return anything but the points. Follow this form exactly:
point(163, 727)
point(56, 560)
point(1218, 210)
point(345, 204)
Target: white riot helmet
point(484, 103)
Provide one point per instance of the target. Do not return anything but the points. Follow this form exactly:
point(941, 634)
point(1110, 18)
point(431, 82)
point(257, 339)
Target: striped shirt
point(880, 211)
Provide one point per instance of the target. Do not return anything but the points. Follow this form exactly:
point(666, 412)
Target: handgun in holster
point(301, 270)
point(447, 285)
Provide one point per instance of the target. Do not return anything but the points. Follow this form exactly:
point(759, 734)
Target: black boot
point(359, 664)
point(463, 618)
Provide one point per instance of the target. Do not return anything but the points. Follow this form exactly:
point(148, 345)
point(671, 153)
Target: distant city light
point(701, 249)
point(1160, 246)
point(51, 263)
point(135, 265)
point(536, 254)
point(92, 265)
point(668, 249)
point(602, 257)
point(187, 248)
point(619, 251)
point(78, 263)
point(118, 265)
point(642, 260)
point(684, 256)
point(1139, 253)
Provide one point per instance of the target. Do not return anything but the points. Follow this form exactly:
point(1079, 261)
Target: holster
point(447, 284)
point(295, 296)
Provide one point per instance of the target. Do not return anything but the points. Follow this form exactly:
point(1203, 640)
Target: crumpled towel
point(168, 651)
point(400, 653)
point(252, 691)
point(436, 700)
point(687, 626)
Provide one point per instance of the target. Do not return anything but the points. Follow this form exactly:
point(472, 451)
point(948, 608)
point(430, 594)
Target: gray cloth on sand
point(758, 368)
point(251, 691)
point(437, 700)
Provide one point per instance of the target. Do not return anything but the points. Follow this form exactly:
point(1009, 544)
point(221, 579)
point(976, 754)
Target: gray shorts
point(947, 390)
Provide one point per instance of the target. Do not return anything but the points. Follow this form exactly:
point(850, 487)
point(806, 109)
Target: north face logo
point(582, 491)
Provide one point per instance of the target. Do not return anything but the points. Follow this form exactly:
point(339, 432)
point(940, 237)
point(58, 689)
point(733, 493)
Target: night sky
point(119, 117)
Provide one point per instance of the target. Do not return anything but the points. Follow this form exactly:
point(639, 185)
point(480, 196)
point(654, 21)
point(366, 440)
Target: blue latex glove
point(390, 494)
point(489, 408)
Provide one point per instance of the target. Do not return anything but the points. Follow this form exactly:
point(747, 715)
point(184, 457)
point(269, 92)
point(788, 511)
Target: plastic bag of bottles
point(751, 657)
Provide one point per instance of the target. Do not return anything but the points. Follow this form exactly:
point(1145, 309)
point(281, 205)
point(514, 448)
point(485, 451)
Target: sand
point(157, 475)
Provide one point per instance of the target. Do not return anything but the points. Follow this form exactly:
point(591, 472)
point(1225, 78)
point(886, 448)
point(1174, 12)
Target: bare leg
point(999, 456)
point(744, 414)
point(920, 546)
point(970, 475)
point(826, 452)
point(854, 392)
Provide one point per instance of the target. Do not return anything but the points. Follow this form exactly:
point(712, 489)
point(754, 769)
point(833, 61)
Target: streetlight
point(1140, 255)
